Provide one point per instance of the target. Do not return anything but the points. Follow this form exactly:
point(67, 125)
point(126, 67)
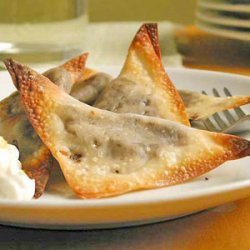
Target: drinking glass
point(42, 30)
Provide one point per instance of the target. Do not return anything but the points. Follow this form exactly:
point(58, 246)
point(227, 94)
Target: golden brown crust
point(76, 64)
point(234, 148)
point(87, 74)
point(152, 30)
point(36, 102)
point(35, 157)
point(145, 48)
point(194, 152)
point(69, 73)
point(199, 106)
point(39, 169)
point(9, 64)
point(75, 67)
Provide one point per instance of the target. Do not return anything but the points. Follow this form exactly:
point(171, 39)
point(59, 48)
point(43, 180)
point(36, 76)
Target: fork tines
point(217, 122)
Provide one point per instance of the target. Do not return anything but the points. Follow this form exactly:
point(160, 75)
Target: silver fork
point(235, 121)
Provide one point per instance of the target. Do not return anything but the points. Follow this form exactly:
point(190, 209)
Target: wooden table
point(226, 227)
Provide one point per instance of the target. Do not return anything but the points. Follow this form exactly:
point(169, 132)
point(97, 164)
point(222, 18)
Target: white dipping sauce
point(14, 183)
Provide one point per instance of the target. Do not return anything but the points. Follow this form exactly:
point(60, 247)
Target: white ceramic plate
point(224, 31)
point(214, 17)
point(58, 208)
point(224, 6)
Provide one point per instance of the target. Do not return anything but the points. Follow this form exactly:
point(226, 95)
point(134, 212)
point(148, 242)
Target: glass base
point(36, 53)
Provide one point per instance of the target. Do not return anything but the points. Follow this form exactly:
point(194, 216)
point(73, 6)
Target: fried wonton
point(71, 72)
point(102, 153)
point(16, 129)
point(143, 87)
point(199, 106)
point(88, 89)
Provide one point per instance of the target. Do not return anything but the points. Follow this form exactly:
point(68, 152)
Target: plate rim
point(80, 203)
point(220, 20)
point(206, 4)
point(223, 31)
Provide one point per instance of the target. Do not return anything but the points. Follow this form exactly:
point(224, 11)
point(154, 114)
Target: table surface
point(224, 227)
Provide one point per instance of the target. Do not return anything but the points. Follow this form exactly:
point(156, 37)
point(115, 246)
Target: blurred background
point(179, 11)
point(206, 34)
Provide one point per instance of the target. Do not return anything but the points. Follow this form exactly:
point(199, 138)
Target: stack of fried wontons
point(112, 136)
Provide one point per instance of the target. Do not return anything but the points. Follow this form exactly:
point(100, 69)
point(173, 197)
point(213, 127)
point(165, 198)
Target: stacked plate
point(228, 18)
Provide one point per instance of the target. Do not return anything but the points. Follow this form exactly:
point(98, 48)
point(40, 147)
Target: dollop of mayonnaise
point(14, 183)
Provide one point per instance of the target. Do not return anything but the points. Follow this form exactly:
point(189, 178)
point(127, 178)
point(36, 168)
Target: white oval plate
point(217, 19)
point(224, 6)
point(58, 208)
point(224, 31)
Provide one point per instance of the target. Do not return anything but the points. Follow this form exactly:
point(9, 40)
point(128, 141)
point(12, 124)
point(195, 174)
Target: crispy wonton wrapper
point(143, 86)
point(102, 153)
point(199, 106)
point(16, 129)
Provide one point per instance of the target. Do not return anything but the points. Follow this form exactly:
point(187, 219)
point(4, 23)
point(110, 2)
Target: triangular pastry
point(102, 153)
point(199, 106)
point(16, 129)
point(88, 89)
point(143, 87)
point(69, 73)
